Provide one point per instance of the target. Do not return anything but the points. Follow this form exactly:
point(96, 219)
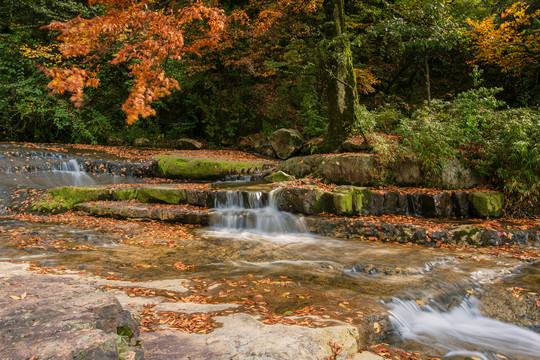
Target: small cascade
point(31, 168)
point(257, 212)
point(74, 171)
point(462, 331)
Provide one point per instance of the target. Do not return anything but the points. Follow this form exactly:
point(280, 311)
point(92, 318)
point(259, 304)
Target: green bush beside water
point(500, 143)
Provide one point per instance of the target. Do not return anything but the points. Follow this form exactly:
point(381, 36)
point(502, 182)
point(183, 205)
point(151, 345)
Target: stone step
point(352, 200)
point(407, 229)
point(308, 199)
point(402, 229)
point(366, 170)
point(184, 214)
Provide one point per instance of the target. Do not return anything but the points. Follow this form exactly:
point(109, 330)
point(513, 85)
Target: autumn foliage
point(510, 41)
point(132, 33)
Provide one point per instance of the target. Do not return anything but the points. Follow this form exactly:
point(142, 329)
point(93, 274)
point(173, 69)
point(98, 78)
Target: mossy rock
point(64, 198)
point(349, 200)
point(125, 194)
point(279, 176)
point(467, 235)
point(487, 204)
point(161, 194)
point(179, 167)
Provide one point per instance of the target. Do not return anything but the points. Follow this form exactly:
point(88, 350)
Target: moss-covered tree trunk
point(341, 83)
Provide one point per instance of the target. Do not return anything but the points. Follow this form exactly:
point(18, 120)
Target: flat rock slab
point(184, 214)
point(243, 337)
point(47, 316)
point(177, 166)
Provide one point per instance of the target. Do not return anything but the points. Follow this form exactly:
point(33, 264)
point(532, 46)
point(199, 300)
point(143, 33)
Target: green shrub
point(501, 143)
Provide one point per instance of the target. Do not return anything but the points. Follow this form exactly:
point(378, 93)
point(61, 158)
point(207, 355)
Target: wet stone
point(46, 316)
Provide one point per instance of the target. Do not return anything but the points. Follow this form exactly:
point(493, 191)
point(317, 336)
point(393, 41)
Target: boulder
point(279, 176)
point(189, 144)
point(286, 142)
point(487, 204)
point(262, 146)
point(141, 142)
point(454, 175)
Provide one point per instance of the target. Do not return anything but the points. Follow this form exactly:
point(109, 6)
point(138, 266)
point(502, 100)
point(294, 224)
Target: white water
point(243, 211)
point(72, 169)
point(463, 331)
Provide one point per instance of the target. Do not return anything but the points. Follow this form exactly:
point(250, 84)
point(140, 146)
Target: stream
point(431, 297)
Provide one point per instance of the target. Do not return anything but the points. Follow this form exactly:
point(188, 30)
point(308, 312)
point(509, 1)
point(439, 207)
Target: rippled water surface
point(250, 237)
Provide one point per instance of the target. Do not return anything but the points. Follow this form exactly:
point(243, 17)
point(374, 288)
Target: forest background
point(436, 80)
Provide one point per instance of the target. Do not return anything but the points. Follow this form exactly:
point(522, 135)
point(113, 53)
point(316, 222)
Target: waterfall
point(74, 171)
point(462, 331)
point(257, 212)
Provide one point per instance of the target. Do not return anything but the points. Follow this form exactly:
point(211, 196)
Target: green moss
point(487, 204)
point(467, 235)
point(172, 166)
point(64, 198)
point(125, 331)
point(348, 200)
point(161, 195)
point(279, 176)
point(125, 194)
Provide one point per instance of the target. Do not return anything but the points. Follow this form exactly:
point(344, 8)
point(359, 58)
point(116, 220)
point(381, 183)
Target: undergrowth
point(500, 143)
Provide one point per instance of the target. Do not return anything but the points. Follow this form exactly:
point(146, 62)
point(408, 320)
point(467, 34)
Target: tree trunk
point(341, 84)
point(428, 81)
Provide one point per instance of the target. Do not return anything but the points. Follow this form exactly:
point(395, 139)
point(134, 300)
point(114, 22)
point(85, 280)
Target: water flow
point(239, 211)
point(73, 169)
point(463, 331)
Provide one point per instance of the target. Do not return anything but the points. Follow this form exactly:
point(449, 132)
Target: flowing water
point(462, 331)
point(250, 237)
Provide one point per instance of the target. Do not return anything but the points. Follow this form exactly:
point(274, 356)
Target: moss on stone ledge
point(179, 167)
